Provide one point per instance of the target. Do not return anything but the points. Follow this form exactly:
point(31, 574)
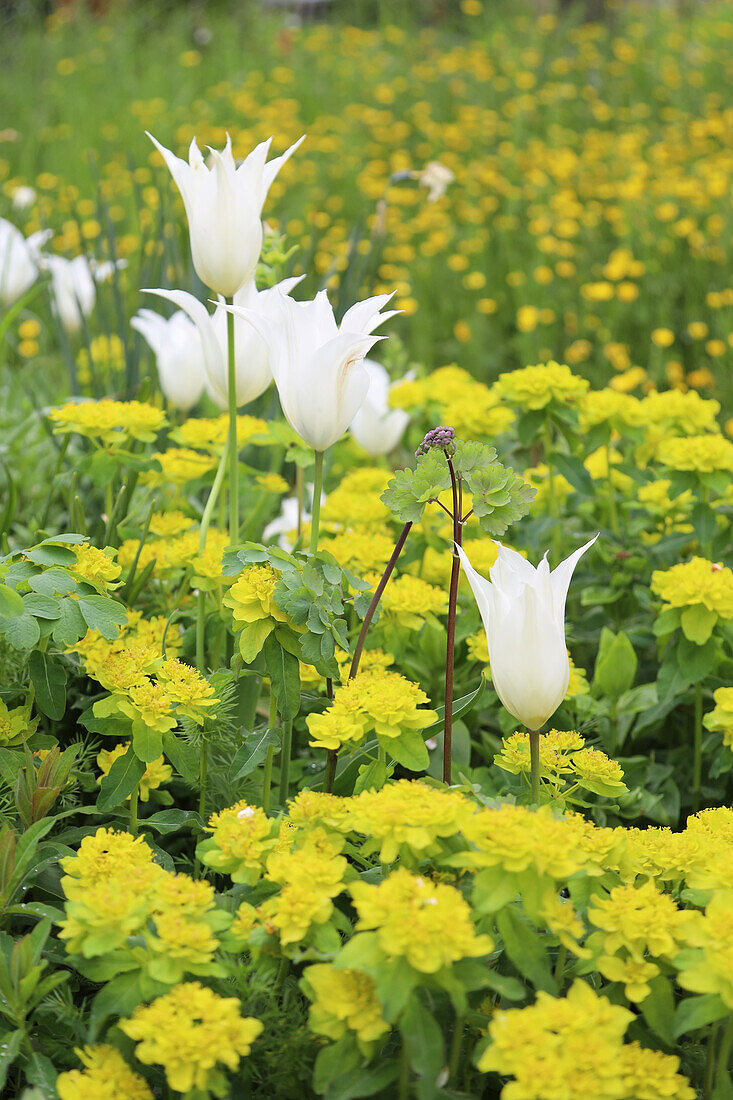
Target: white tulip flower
point(251, 354)
point(179, 355)
point(23, 197)
point(224, 209)
point(523, 611)
point(377, 427)
point(20, 261)
point(318, 365)
point(74, 286)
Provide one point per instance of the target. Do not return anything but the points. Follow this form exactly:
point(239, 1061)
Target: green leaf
point(48, 553)
point(694, 661)
point(22, 631)
point(121, 780)
point(117, 998)
point(10, 1044)
point(147, 743)
point(252, 638)
point(42, 1073)
point(11, 604)
point(697, 623)
point(103, 614)
point(524, 947)
point(573, 470)
point(658, 1009)
point(424, 1039)
point(362, 1082)
point(697, 1012)
point(334, 1061)
point(48, 677)
point(704, 521)
point(284, 671)
point(615, 666)
point(171, 821)
point(408, 749)
point(183, 756)
point(410, 490)
point(530, 425)
point(42, 607)
point(253, 752)
point(70, 625)
point(461, 707)
point(372, 777)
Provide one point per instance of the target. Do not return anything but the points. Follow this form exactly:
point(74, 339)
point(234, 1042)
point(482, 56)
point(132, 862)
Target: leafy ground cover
point(314, 779)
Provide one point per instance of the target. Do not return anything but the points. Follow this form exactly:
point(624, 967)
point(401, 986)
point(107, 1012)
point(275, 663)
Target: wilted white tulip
point(19, 261)
point(318, 365)
point(523, 611)
point(179, 356)
point(251, 354)
point(377, 427)
point(224, 209)
point(74, 286)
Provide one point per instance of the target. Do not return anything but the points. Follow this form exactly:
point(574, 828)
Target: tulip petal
point(213, 357)
point(560, 580)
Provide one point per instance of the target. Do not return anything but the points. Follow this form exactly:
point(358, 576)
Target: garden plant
point(366, 602)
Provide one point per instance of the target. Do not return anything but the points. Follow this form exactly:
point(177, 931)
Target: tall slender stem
point(333, 754)
point(300, 495)
point(132, 826)
point(726, 1043)
point(534, 765)
point(233, 448)
point(707, 1086)
point(451, 631)
point(697, 764)
point(316, 511)
point(203, 531)
point(375, 600)
point(551, 496)
point(286, 753)
point(612, 509)
point(267, 775)
point(455, 1049)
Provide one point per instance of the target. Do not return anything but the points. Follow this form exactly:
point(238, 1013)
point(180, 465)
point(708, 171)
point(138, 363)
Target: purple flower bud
point(442, 437)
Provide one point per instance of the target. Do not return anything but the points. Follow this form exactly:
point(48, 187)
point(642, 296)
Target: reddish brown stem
point(375, 600)
point(451, 632)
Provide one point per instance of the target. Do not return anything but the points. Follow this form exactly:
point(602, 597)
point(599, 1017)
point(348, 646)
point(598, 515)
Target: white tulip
point(251, 354)
point(224, 209)
point(19, 261)
point(179, 356)
point(73, 286)
point(318, 365)
point(376, 427)
point(523, 611)
point(23, 197)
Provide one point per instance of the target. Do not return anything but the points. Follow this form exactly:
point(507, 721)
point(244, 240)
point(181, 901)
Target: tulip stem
point(287, 752)
point(203, 532)
point(300, 493)
point(316, 512)
point(534, 766)
point(233, 448)
point(132, 825)
point(457, 489)
point(551, 497)
point(267, 776)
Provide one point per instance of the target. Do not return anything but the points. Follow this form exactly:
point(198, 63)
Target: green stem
point(551, 497)
point(203, 532)
point(300, 493)
point(267, 774)
point(612, 509)
point(697, 765)
point(286, 753)
point(457, 491)
point(203, 773)
point(132, 825)
point(404, 1092)
point(233, 448)
point(726, 1043)
point(534, 765)
point(707, 1087)
point(57, 471)
point(316, 512)
point(455, 1050)
point(560, 963)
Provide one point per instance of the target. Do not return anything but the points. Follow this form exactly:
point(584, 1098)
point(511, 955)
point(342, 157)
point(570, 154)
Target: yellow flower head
point(106, 1076)
point(408, 817)
point(242, 836)
point(535, 387)
point(96, 566)
point(428, 923)
point(189, 1032)
point(112, 422)
point(344, 1000)
point(251, 597)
